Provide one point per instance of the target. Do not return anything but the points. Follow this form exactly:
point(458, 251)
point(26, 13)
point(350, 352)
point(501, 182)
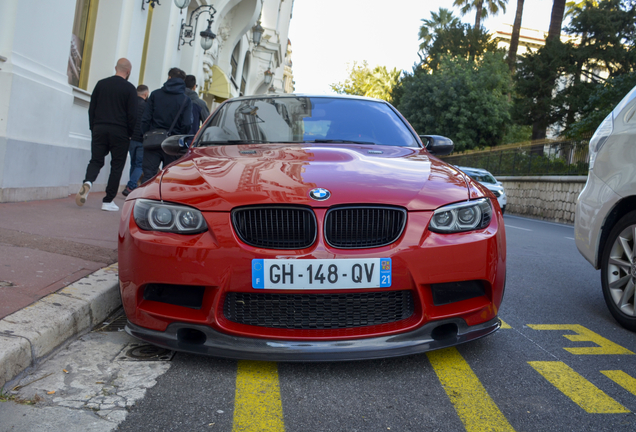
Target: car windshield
point(483, 178)
point(306, 120)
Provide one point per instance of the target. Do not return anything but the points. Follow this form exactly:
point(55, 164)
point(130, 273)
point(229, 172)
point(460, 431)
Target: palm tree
point(380, 82)
point(439, 21)
point(514, 39)
point(556, 19)
point(482, 8)
point(574, 7)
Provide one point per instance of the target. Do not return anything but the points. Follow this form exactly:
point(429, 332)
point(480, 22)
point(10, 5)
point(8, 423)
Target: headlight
point(496, 193)
point(157, 216)
point(462, 217)
point(599, 138)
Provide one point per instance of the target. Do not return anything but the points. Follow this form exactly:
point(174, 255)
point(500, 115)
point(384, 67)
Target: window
point(81, 41)
point(234, 60)
point(246, 67)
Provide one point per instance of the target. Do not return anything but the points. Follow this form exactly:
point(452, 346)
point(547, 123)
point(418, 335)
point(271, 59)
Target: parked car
point(605, 218)
point(301, 228)
point(485, 178)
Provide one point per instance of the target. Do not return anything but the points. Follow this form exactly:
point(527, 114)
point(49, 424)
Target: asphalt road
point(560, 363)
point(533, 382)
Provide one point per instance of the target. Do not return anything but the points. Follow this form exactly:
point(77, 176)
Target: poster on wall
point(75, 61)
point(78, 37)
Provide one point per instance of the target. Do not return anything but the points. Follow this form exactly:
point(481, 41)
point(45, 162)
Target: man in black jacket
point(112, 114)
point(136, 149)
point(162, 108)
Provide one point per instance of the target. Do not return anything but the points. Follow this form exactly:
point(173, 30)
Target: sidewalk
point(58, 276)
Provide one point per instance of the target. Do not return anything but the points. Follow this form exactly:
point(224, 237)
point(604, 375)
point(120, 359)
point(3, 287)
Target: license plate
point(321, 273)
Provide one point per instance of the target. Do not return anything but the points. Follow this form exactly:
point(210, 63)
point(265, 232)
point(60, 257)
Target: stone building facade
point(52, 53)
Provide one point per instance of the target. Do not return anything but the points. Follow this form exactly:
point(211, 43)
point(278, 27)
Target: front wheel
point(618, 271)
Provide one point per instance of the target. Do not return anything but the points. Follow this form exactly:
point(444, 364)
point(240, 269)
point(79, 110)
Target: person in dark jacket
point(112, 114)
point(200, 110)
point(162, 108)
point(136, 149)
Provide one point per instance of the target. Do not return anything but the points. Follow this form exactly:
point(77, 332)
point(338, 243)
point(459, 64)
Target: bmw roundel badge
point(319, 194)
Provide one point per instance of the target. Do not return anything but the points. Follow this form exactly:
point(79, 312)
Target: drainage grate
point(114, 323)
point(144, 352)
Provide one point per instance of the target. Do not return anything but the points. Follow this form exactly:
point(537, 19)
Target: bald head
point(123, 68)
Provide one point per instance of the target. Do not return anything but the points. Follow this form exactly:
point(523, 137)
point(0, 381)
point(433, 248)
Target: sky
point(327, 36)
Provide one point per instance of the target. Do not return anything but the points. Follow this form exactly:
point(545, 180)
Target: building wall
point(551, 198)
point(44, 134)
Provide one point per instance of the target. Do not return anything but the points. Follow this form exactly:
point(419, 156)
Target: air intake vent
point(363, 227)
point(275, 227)
point(318, 311)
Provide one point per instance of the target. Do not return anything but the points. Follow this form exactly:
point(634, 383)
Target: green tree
point(560, 83)
point(482, 8)
point(364, 81)
point(438, 21)
point(572, 8)
point(600, 103)
point(458, 40)
point(465, 100)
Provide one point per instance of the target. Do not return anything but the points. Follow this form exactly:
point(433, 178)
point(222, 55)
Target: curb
point(32, 333)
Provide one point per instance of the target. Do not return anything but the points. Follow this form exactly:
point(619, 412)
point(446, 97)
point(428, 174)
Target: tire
point(618, 271)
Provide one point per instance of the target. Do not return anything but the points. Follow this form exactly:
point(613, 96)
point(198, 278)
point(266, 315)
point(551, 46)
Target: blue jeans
point(136, 151)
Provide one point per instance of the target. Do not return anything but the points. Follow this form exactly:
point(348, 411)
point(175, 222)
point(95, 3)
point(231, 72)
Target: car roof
point(480, 170)
point(304, 95)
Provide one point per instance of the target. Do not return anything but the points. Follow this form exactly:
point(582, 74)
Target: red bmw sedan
point(302, 228)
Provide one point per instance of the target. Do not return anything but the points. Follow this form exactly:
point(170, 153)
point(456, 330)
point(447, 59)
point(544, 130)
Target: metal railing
point(545, 157)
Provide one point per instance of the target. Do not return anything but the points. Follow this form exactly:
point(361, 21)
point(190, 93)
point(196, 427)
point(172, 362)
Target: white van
point(605, 220)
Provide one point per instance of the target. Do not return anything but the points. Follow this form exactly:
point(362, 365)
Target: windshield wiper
point(234, 142)
point(332, 141)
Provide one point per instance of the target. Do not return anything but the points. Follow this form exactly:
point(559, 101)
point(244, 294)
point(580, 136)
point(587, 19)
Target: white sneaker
point(110, 206)
point(82, 194)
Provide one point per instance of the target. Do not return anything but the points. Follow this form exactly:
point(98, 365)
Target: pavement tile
point(58, 276)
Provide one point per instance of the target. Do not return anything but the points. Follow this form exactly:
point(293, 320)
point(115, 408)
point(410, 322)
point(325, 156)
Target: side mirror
point(437, 144)
point(176, 145)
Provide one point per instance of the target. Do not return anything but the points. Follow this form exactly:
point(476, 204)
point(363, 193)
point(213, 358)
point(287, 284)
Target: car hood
point(221, 178)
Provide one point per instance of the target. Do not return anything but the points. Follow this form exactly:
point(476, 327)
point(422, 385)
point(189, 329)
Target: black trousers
point(152, 159)
point(108, 139)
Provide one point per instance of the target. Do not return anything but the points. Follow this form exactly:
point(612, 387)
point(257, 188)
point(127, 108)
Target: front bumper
point(431, 336)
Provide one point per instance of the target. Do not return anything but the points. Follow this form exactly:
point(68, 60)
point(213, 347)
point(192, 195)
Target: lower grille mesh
point(318, 311)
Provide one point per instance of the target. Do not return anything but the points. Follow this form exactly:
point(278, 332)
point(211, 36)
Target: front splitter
point(222, 345)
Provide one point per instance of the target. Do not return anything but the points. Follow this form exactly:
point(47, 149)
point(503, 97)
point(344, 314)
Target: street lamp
point(182, 4)
point(257, 33)
point(188, 31)
point(267, 76)
point(151, 2)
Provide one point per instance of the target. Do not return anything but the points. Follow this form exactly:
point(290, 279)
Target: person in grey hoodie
point(200, 110)
point(162, 107)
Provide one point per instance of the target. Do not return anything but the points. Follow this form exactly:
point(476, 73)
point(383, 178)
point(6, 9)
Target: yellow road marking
point(257, 403)
point(474, 406)
point(582, 392)
point(605, 346)
point(622, 379)
point(504, 325)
